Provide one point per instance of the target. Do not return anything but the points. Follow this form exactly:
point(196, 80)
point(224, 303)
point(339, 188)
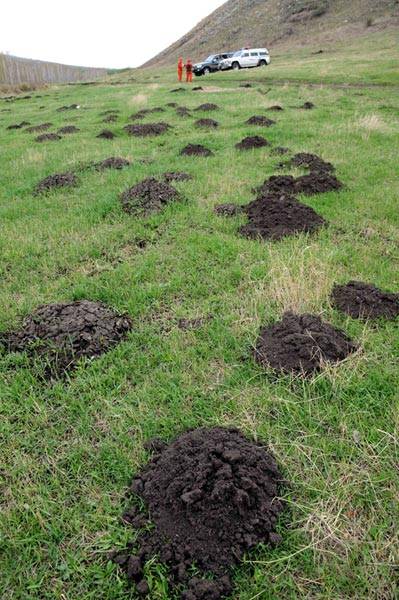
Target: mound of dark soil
point(110, 119)
point(18, 125)
point(260, 120)
point(147, 129)
point(365, 301)
point(63, 333)
point(48, 137)
point(70, 107)
point(278, 184)
point(256, 141)
point(197, 88)
point(317, 183)
point(57, 180)
point(208, 106)
point(273, 217)
point(301, 344)
point(113, 162)
point(311, 162)
point(245, 85)
point(183, 111)
point(68, 129)
point(307, 105)
point(206, 123)
point(211, 495)
point(196, 150)
point(148, 196)
point(176, 90)
point(144, 112)
point(280, 150)
point(106, 134)
point(276, 107)
point(38, 128)
point(228, 209)
point(176, 176)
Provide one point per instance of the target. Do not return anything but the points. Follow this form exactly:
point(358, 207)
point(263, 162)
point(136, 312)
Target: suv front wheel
point(262, 63)
point(236, 66)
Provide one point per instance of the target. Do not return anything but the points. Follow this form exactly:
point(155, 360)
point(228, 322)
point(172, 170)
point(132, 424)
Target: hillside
point(15, 71)
point(271, 23)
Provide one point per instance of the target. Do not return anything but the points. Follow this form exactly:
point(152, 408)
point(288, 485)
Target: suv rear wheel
point(236, 66)
point(262, 63)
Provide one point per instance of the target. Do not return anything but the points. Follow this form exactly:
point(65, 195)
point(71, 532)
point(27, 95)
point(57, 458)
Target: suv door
point(245, 60)
point(254, 59)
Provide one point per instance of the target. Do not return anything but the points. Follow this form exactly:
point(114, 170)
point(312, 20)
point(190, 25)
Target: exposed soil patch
point(196, 323)
point(48, 137)
point(276, 107)
point(206, 123)
point(245, 85)
point(176, 90)
point(147, 129)
point(212, 495)
point(273, 217)
point(70, 107)
point(113, 162)
point(260, 120)
point(256, 141)
point(106, 134)
point(18, 125)
point(208, 106)
point(196, 150)
point(183, 111)
point(280, 150)
point(144, 112)
point(148, 196)
point(68, 129)
point(311, 162)
point(365, 301)
point(317, 183)
point(64, 333)
point(176, 176)
point(38, 128)
point(110, 119)
point(197, 88)
point(228, 209)
point(58, 180)
point(307, 105)
point(301, 344)
point(277, 184)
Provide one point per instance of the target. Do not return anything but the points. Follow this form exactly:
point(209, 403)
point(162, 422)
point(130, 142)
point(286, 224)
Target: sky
point(95, 33)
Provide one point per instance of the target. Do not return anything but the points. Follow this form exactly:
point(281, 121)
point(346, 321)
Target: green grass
point(69, 449)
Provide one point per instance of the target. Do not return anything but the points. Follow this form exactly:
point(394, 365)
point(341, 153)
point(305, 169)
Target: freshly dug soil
point(276, 107)
point(207, 123)
point(212, 495)
point(144, 112)
point(38, 128)
point(311, 162)
point(273, 217)
point(301, 344)
point(317, 183)
point(148, 129)
point(208, 106)
point(196, 150)
point(70, 107)
point(148, 196)
point(183, 111)
point(228, 209)
point(255, 141)
point(245, 85)
point(110, 119)
point(64, 333)
point(180, 89)
point(57, 180)
point(69, 129)
point(18, 125)
point(176, 176)
point(277, 184)
point(106, 134)
point(260, 120)
point(365, 301)
point(307, 105)
point(197, 88)
point(48, 137)
point(280, 150)
point(113, 162)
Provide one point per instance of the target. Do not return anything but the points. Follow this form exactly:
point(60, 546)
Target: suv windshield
point(210, 58)
point(238, 53)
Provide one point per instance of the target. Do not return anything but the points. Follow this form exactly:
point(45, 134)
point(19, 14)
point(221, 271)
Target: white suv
point(246, 58)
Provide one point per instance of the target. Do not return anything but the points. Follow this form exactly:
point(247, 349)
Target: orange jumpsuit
point(180, 69)
point(189, 71)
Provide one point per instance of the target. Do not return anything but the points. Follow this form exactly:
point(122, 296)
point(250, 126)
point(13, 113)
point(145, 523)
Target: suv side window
point(262, 53)
point(245, 55)
point(254, 54)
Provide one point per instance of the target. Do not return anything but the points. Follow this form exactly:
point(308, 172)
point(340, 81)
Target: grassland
point(70, 448)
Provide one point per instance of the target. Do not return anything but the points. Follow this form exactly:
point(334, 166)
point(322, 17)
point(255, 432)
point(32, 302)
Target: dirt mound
point(273, 217)
point(260, 120)
point(176, 90)
point(228, 209)
point(280, 150)
point(208, 106)
point(212, 495)
point(63, 333)
point(207, 123)
point(57, 180)
point(38, 128)
point(245, 85)
point(68, 129)
point(144, 112)
point(176, 176)
point(148, 196)
point(70, 107)
point(110, 119)
point(277, 184)
point(197, 88)
point(256, 141)
point(48, 137)
point(113, 162)
point(365, 301)
point(18, 125)
point(307, 105)
point(183, 111)
point(317, 183)
point(106, 134)
point(275, 107)
point(301, 344)
point(311, 162)
point(196, 150)
point(147, 129)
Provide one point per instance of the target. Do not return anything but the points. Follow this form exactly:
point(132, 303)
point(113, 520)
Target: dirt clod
point(196, 150)
point(228, 209)
point(148, 196)
point(64, 333)
point(212, 496)
point(70, 107)
point(206, 123)
point(208, 106)
point(177, 90)
point(57, 180)
point(147, 129)
point(106, 134)
point(256, 141)
point(197, 88)
point(48, 137)
point(365, 301)
point(183, 111)
point(113, 162)
point(260, 120)
point(301, 344)
point(176, 176)
point(38, 128)
point(245, 85)
point(68, 129)
point(307, 105)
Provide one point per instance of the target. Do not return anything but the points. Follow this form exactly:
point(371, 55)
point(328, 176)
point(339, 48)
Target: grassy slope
point(69, 450)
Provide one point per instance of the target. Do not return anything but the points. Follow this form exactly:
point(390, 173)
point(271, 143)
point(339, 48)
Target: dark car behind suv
point(211, 64)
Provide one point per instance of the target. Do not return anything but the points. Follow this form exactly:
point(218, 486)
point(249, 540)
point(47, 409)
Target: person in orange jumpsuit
point(180, 69)
point(189, 71)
